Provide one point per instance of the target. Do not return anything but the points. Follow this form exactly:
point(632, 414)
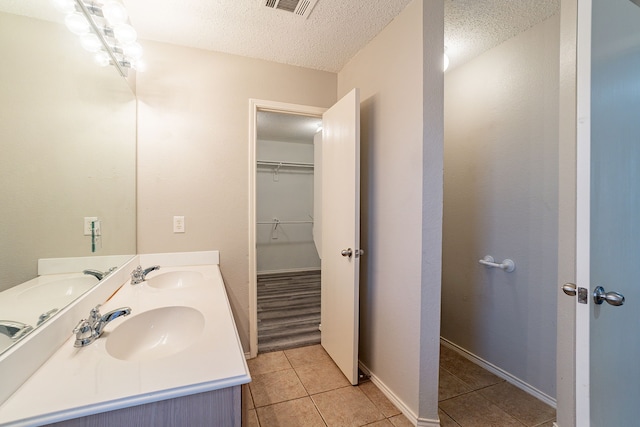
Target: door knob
point(347, 252)
point(612, 298)
point(569, 289)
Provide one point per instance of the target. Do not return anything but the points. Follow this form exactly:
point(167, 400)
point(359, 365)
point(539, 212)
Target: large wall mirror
point(68, 151)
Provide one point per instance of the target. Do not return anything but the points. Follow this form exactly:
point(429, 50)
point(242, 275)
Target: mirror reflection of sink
point(155, 334)
point(59, 292)
point(176, 279)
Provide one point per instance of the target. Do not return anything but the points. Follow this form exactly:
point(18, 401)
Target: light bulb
point(90, 42)
point(102, 59)
point(114, 12)
point(125, 33)
point(445, 64)
point(132, 50)
point(77, 23)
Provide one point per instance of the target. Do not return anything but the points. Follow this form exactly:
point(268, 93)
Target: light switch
point(178, 224)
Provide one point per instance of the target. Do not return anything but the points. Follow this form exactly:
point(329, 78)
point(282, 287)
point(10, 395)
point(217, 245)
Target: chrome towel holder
point(507, 265)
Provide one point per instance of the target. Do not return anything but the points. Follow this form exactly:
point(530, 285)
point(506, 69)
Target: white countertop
point(76, 382)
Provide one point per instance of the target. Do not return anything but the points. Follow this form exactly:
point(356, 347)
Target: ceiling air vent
point(301, 8)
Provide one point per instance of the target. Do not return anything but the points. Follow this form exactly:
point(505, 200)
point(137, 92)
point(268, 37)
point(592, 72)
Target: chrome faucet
point(139, 275)
point(14, 330)
point(99, 274)
point(89, 330)
point(46, 315)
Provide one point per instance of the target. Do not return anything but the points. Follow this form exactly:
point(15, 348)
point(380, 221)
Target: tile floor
point(470, 396)
point(303, 387)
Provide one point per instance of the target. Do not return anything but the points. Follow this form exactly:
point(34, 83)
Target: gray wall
point(501, 199)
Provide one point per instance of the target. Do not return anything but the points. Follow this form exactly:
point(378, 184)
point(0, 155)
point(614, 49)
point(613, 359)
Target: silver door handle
point(612, 298)
point(349, 253)
point(569, 289)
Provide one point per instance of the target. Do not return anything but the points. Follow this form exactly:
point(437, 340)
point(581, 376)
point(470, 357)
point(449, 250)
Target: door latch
point(571, 290)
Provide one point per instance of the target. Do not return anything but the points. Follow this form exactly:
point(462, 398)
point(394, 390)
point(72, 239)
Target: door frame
point(583, 208)
point(256, 105)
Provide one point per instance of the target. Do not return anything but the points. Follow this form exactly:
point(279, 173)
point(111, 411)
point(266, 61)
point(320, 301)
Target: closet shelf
point(284, 164)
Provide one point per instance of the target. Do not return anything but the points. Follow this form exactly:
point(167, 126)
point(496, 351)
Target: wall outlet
point(87, 224)
point(178, 224)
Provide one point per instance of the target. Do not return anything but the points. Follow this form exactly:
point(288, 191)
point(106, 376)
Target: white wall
point(501, 199)
point(288, 196)
point(400, 77)
point(193, 157)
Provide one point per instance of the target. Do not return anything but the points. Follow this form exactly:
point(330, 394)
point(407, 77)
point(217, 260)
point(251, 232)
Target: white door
point(608, 217)
point(341, 232)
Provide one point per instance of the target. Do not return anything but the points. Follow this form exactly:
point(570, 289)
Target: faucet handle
point(82, 327)
point(84, 333)
point(136, 275)
point(94, 314)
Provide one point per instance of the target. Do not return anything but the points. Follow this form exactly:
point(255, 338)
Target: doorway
point(280, 227)
point(501, 200)
point(287, 241)
point(340, 244)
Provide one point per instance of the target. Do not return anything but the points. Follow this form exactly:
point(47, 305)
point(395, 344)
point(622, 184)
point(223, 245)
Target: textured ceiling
point(472, 27)
point(335, 31)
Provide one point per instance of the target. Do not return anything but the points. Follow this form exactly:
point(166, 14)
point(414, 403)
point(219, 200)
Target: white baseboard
point(500, 373)
point(413, 418)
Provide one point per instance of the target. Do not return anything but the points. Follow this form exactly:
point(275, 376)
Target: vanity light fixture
point(104, 29)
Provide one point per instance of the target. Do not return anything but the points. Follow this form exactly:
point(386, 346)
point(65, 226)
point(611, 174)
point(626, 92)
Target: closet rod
point(284, 164)
point(284, 222)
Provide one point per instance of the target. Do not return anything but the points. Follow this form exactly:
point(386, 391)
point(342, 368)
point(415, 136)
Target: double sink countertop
point(179, 339)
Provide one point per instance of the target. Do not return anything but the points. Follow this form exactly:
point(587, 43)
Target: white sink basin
point(155, 334)
point(176, 279)
point(60, 292)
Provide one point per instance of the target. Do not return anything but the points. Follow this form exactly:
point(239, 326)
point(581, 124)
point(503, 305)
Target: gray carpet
point(288, 310)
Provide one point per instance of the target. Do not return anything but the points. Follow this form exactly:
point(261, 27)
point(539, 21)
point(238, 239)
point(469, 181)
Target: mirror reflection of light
point(445, 64)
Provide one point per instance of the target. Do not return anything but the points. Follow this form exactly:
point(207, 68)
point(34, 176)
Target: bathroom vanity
point(176, 359)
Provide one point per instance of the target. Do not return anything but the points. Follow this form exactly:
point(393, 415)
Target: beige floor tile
point(547, 424)
point(346, 407)
point(400, 421)
point(252, 419)
point(473, 410)
point(275, 387)
point(450, 386)
point(520, 405)
point(268, 362)
point(310, 355)
point(299, 412)
point(466, 371)
point(381, 423)
point(378, 398)
point(446, 420)
point(320, 377)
